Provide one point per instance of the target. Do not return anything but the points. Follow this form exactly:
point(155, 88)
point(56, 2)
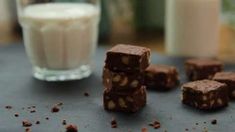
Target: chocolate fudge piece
point(125, 101)
point(205, 94)
point(229, 79)
point(118, 81)
point(161, 77)
point(127, 58)
point(199, 69)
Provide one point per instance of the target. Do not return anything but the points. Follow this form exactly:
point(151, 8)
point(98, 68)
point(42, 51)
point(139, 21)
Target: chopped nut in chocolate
point(26, 123)
point(71, 128)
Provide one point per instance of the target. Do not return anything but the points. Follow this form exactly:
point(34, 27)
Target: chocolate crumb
point(113, 123)
point(86, 94)
point(26, 123)
point(214, 122)
point(8, 107)
point(59, 104)
point(186, 129)
point(33, 106)
point(155, 124)
point(71, 128)
point(197, 123)
point(64, 122)
point(204, 122)
point(47, 118)
point(32, 111)
point(37, 122)
point(27, 130)
point(55, 109)
point(16, 115)
point(144, 129)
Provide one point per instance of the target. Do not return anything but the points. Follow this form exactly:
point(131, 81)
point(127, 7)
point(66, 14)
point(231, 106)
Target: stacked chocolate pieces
point(123, 78)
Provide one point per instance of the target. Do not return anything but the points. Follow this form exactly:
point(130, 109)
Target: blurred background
point(121, 21)
point(129, 21)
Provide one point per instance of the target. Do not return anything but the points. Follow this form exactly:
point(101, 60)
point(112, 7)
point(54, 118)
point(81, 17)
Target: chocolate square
point(205, 94)
point(161, 77)
point(119, 81)
point(229, 79)
point(125, 101)
point(199, 69)
point(127, 58)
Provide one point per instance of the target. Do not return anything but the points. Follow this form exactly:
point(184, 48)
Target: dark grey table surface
point(19, 89)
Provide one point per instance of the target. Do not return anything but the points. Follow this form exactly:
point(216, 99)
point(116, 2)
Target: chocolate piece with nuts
point(127, 58)
point(161, 77)
point(199, 69)
point(118, 81)
point(125, 101)
point(229, 79)
point(205, 94)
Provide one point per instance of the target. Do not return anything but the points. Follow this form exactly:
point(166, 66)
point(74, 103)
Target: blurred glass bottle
point(227, 52)
point(192, 27)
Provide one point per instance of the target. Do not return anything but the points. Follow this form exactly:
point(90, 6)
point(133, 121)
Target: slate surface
point(19, 89)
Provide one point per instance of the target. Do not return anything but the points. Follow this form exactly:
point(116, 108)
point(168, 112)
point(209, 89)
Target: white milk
point(60, 36)
point(192, 27)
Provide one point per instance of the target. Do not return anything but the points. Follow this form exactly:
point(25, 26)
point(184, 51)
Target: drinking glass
point(60, 37)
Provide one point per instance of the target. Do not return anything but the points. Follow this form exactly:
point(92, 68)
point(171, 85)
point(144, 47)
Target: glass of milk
point(60, 37)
